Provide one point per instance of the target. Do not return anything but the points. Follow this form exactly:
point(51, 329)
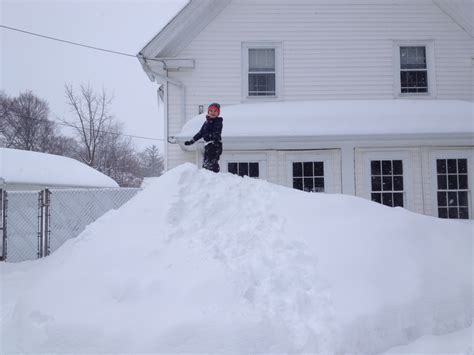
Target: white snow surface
point(33, 168)
point(342, 118)
point(216, 263)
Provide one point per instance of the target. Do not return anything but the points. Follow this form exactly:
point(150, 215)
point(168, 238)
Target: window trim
point(430, 66)
point(451, 154)
point(261, 159)
point(407, 160)
point(327, 157)
point(278, 46)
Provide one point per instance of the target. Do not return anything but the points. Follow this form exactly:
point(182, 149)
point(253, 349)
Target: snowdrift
point(204, 262)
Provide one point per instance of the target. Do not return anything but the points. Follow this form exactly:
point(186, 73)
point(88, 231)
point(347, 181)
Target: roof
point(460, 11)
point(341, 119)
point(33, 168)
point(183, 28)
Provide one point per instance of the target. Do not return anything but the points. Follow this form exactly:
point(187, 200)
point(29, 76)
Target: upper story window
point(261, 70)
point(414, 68)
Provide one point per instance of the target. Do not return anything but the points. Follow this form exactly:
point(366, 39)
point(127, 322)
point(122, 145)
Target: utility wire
point(75, 43)
point(108, 132)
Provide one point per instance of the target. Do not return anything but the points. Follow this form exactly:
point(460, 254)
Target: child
point(211, 133)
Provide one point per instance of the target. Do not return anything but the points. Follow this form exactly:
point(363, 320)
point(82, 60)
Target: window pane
point(243, 169)
point(308, 184)
point(463, 182)
point(387, 183)
point(262, 85)
point(462, 166)
point(442, 182)
point(463, 213)
point(397, 200)
point(232, 168)
point(308, 169)
point(376, 183)
point(453, 213)
point(318, 168)
point(462, 197)
point(452, 166)
point(386, 167)
point(398, 183)
point(452, 199)
point(254, 170)
point(442, 212)
point(377, 198)
point(387, 199)
point(413, 57)
point(298, 184)
point(397, 167)
point(262, 60)
point(375, 167)
point(441, 166)
point(442, 199)
point(452, 182)
point(414, 81)
point(297, 169)
point(319, 184)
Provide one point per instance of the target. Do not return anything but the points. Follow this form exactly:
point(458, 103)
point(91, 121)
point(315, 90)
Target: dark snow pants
point(212, 153)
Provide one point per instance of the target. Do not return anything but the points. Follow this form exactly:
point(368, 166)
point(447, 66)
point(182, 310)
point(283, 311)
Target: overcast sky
point(44, 66)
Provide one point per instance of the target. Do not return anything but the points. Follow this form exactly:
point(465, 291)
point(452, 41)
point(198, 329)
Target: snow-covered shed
point(26, 170)
point(367, 98)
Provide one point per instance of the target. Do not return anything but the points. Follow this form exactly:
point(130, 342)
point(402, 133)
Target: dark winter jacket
point(211, 130)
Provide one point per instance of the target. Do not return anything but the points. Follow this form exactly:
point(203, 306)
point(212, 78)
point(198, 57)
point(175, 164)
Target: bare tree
point(25, 123)
point(151, 161)
point(92, 120)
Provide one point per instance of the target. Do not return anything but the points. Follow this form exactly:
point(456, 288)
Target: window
point(413, 70)
point(250, 169)
point(387, 182)
point(452, 192)
point(308, 176)
point(261, 76)
point(262, 72)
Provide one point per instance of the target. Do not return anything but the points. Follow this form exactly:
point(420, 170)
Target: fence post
point(3, 223)
point(44, 214)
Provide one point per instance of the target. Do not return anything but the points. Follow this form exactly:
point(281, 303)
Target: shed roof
point(33, 168)
point(342, 119)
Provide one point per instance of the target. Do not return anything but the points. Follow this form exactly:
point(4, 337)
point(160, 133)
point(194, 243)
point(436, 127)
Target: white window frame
point(278, 70)
point(407, 161)
point(261, 159)
point(430, 66)
point(452, 154)
point(327, 157)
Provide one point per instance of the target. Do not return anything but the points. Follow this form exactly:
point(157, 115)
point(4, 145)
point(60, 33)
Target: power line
point(108, 132)
point(74, 43)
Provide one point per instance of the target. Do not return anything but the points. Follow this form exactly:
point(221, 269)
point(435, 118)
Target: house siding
point(331, 50)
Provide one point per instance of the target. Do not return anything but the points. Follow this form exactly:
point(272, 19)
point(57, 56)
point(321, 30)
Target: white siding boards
point(330, 50)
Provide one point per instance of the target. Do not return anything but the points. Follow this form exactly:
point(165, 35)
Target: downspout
point(162, 80)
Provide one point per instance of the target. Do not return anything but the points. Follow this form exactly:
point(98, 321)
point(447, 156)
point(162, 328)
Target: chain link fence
point(36, 228)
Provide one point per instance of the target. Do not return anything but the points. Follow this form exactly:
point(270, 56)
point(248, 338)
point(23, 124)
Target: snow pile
point(335, 118)
point(33, 168)
point(204, 262)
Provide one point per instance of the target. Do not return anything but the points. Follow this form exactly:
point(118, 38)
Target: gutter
point(161, 79)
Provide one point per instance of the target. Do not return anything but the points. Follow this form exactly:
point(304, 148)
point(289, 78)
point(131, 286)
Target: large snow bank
point(204, 262)
point(33, 168)
point(342, 118)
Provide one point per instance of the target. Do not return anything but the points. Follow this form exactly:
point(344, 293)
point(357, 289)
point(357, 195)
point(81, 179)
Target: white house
point(25, 170)
point(372, 98)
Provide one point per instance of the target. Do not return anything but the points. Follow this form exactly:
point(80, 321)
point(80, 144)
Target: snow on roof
point(342, 118)
point(33, 168)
